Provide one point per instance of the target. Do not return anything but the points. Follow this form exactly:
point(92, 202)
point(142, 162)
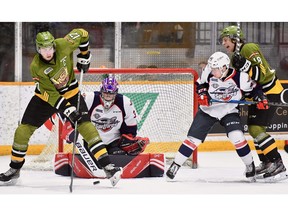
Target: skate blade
point(116, 177)
point(279, 177)
point(252, 179)
point(169, 179)
point(11, 182)
point(260, 176)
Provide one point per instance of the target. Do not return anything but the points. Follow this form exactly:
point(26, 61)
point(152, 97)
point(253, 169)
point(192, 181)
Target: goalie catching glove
point(133, 145)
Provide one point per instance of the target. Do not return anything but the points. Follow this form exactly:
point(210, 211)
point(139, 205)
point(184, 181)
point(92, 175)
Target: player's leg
point(271, 161)
point(95, 145)
point(36, 113)
point(197, 133)
point(234, 131)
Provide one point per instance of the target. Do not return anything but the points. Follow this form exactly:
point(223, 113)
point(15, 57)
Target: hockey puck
point(96, 182)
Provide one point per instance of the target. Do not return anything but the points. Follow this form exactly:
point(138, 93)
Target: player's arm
point(89, 98)
point(253, 90)
point(242, 64)
point(129, 142)
point(79, 38)
point(206, 73)
point(129, 125)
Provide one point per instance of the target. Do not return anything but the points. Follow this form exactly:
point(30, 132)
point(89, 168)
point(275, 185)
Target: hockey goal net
point(164, 100)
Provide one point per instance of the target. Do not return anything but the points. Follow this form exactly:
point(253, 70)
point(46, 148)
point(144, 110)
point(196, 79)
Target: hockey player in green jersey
point(57, 91)
point(251, 60)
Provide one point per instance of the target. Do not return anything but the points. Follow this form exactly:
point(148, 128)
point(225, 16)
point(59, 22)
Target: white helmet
point(219, 60)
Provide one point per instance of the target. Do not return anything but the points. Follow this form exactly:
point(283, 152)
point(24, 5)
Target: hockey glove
point(72, 115)
point(133, 145)
point(262, 100)
point(83, 61)
point(204, 98)
point(240, 63)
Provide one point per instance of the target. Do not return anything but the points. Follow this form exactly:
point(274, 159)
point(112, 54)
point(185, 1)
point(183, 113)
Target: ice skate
point(10, 177)
point(250, 172)
point(113, 173)
point(171, 172)
point(262, 168)
point(276, 172)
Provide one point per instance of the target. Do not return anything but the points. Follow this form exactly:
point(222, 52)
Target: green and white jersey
point(55, 81)
point(264, 75)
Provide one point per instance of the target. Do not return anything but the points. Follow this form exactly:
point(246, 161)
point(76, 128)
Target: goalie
point(115, 118)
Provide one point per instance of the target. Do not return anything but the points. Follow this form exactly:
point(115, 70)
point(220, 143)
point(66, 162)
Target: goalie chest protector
point(142, 165)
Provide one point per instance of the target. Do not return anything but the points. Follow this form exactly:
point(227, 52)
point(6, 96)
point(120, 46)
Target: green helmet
point(231, 31)
point(44, 39)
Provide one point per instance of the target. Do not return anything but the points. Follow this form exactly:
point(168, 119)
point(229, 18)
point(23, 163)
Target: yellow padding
point(270, 148)
point(17, 159)
point(100, 153)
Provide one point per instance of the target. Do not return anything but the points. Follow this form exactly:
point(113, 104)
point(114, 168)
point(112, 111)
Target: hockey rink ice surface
point(218, 177)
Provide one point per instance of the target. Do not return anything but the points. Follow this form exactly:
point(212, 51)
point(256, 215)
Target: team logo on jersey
point(105, 124)
point(225, 93)
point(61, 78)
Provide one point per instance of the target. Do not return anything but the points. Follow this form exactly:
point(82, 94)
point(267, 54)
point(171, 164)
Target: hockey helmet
point(109, 85)
point(231, 32)
point(44, 39)
point(219, 60)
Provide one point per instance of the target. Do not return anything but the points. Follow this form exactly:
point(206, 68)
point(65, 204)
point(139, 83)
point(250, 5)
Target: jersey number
point(74, 35)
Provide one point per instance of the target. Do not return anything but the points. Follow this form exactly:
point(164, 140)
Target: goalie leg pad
point(63, 164)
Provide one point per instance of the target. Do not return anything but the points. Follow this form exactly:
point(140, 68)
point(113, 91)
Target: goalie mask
point(109, 90)
point(45, 40)
point(221, 61)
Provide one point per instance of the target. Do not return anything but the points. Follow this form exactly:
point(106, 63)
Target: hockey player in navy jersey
point(222, 83)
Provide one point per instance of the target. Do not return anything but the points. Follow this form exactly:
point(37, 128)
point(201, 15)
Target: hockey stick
point(250, 102)
point(75, 137)
point(237, 50)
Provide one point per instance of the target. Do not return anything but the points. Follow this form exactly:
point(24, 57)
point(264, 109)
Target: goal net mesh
point(163, 98)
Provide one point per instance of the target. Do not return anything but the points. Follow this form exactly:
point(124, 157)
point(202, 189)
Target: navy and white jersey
point(120, 119)
point(228, 88)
